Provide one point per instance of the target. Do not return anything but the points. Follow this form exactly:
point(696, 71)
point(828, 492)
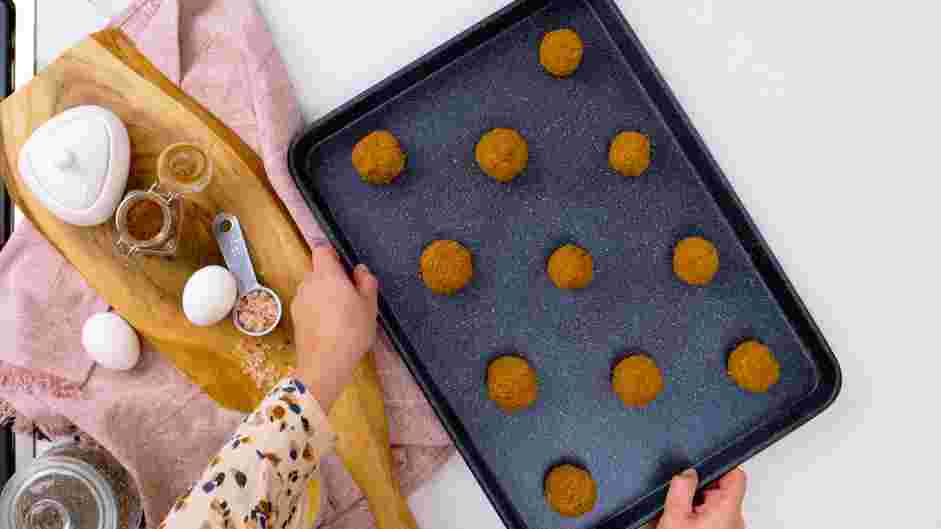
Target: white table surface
point(824, 119)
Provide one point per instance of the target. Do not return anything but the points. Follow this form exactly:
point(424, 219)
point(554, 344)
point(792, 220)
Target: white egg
point(111, 341)
point(209, 295)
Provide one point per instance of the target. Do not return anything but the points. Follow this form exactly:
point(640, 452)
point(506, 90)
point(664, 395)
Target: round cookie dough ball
point(695, 261)
point(561, 52)
point(571, 267)
point(378, 158)
point(511, 383)
point(446, 266)
point(753, 367)
point(637, 380)
point(630, 153)
point(571, 491)
point(502, 154)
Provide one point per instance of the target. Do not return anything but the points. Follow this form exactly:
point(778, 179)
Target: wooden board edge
point(123, 48)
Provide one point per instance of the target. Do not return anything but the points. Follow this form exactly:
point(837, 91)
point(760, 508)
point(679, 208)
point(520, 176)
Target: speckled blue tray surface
point(439, 108)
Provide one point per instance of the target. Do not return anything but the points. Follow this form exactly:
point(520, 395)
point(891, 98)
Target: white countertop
point(823, 118)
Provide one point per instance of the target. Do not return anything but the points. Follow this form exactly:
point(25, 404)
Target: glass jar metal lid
point(184, 167)
point(58, 493)
point(75, 485)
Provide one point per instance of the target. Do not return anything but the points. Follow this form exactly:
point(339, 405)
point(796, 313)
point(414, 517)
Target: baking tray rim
point(734, 453)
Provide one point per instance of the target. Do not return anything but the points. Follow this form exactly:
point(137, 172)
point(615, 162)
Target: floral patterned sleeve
point(259, 478)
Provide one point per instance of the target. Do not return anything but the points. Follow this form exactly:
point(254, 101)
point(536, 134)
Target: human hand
point(334, 323)
point(721, 507)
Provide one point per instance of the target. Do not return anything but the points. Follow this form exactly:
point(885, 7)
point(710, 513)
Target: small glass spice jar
point(149, 222)
point(72, 486)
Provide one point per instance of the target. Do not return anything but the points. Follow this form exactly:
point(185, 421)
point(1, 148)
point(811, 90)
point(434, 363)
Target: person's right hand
point(721, 508)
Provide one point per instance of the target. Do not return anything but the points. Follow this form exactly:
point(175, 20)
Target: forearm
point(326, 387)
point(259, 477)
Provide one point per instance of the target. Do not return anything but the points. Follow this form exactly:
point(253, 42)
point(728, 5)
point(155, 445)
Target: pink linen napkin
point(158, 424)
point(43, 302)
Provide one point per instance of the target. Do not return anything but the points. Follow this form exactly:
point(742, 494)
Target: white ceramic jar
point(77, 163)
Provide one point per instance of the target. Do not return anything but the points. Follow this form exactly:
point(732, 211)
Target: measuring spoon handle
point(228, 233)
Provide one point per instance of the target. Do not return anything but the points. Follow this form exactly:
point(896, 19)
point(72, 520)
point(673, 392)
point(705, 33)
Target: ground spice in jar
point(145, 220)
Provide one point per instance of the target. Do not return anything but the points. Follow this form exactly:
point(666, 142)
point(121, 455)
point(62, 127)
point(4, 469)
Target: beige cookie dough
point(446, 266)
point(571, 491)
point(753, 367)
point(695, 261)
point(378, 158)
point(512, 383)
point(637, 381)
point(571, 267)
point(561, 52)
point(630, 153)
point(502, 154)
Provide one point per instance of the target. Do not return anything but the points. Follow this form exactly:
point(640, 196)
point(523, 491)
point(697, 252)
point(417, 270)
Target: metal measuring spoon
point(228, 233)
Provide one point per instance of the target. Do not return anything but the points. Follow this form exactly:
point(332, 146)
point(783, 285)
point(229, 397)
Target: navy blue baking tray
point(439, 107)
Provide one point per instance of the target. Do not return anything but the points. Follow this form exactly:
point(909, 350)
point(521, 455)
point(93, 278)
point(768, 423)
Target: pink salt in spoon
point(258, 309)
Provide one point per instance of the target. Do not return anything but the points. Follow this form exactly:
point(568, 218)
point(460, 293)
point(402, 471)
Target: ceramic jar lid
point(77, 164)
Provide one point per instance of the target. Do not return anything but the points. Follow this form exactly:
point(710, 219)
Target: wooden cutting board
point(107, 70)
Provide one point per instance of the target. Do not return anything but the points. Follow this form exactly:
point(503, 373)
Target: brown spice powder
point(145, 220)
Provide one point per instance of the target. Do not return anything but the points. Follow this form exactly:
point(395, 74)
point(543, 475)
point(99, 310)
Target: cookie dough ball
point(637, 380)
point(630, 153)
point(753, 367)
point(512, 384)
point(695, 261)
point(378, 158)
point(571, 267)
point(571, 491)
point(446, 266)
point(502, 154)
point(561, 52)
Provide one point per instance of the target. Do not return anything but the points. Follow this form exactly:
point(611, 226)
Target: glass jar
point(73, 486)
point(149, 222)
point(153, 231)
point(185, 168)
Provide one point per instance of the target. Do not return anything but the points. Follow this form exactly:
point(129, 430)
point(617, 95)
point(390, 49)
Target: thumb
point(679, 502)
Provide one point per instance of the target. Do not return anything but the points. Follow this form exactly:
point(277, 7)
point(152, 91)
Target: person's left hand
point(334, 323)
